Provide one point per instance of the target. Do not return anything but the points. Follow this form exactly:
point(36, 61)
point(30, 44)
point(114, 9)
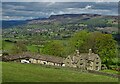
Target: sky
point(60, 0)
point(31, 10)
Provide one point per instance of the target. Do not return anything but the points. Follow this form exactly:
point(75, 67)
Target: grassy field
point(16, 72)
point(0, 43)
point(32, 48)
point(0, 72)
point(7, 45)
point(110, 71)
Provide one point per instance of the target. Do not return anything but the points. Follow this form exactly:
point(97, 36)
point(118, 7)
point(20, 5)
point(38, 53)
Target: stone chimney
point(90, 52)
point(77, 53)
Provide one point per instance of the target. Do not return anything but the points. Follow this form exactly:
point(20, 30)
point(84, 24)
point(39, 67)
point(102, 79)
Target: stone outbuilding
point(35, 58)
point(47, 60)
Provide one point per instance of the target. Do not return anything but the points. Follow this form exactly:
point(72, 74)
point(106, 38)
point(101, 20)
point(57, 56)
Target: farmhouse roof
point(34, 56)
point(18, 56)
point(49, 58)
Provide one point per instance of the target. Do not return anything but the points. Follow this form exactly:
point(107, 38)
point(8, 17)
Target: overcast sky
point(30, 10)
point(60, 0)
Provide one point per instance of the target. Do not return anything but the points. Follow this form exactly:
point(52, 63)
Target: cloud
point(88, 11)
point(100, 1)
point(12, 18)
point(15, 6)
point(88, 7)
point(80, 11)
point(16, 18)
point(60, 0)
point(30, 10)
point(51, 3)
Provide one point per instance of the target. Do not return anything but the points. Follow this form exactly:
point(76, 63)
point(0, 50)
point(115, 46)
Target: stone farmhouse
point(84, 61)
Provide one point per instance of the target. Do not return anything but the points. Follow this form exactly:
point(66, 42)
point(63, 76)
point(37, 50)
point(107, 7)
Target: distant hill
point(12, 23)
point(64, 18)
point(72, 15)
point(73, 18)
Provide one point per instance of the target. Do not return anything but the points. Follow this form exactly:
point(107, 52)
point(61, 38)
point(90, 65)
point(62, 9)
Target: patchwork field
point(16, 72)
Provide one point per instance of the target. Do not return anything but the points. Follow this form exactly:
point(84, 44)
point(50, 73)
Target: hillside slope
point(16, 72)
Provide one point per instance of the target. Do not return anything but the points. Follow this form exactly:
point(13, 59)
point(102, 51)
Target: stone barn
point(47, 60)
point(35, 58)
point(17, 58)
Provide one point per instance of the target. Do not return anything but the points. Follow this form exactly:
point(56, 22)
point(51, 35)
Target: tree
point(19, 47)
point(107, 48)
point(53, 48)
point(78, 40)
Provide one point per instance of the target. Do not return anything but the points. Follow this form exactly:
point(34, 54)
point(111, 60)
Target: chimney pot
point(90, 51)
point(77, 52)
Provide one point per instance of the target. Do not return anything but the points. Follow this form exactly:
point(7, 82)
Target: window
point(97, 62)
point(44, 62)
point(81, 63)
point(27, 59)
point(91, 67)
point(97, 67)
point(67, 62)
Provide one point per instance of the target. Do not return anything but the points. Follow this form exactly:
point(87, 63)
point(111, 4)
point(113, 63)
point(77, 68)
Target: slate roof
point(18, 56)
point(49, 58)
point(34, 56)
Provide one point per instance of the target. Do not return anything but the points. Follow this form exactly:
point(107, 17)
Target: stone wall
point(104, 73)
